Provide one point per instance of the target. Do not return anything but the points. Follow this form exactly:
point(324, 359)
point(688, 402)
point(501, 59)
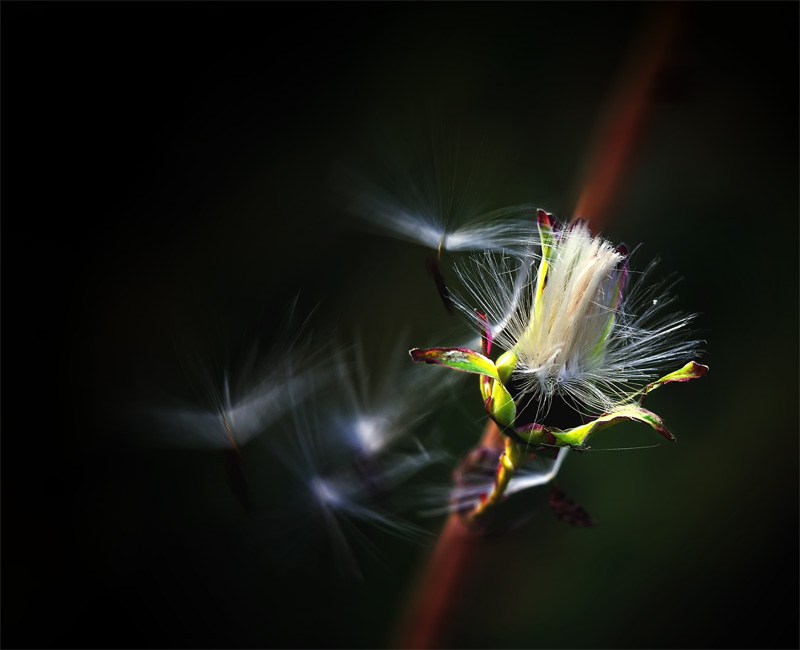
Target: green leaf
point(462, 359)
point(577, 436)
point(691, 370)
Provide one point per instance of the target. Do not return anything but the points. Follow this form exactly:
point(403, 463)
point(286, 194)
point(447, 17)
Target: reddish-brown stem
point(622, 122)
point(447, 576)
point(428, 622)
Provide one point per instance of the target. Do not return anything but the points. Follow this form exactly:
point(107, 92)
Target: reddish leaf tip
point(578, 222)
point(665, 432)
point(543, 218)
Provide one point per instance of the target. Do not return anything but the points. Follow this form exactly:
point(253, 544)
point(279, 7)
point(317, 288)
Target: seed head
point(574, 331)
point(576, 328)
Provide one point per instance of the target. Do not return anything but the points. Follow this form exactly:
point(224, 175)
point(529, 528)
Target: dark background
point(170, 168)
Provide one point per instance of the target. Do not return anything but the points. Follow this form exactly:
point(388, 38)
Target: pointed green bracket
point(462, 359)
point(577, 436)
point(536, 434)
point(691, 370)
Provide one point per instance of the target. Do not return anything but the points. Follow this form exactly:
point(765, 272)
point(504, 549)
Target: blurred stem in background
point(615, 140)
point(445, 585)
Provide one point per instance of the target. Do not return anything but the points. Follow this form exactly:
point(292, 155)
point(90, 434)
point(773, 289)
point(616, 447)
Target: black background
point(157, 151)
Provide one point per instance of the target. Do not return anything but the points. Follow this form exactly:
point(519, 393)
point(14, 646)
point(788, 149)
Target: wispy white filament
point(579, 341)
point(232, 417)
point(507, 229)
point(349, 449)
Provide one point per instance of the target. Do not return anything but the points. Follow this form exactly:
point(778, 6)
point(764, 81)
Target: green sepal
point(462, 359)
point(500, 405)
point(691, 370)
point(577, 436)
point(505, 364)
point(548, 240)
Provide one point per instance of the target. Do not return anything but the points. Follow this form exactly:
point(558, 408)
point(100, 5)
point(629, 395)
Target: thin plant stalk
point(428, 621)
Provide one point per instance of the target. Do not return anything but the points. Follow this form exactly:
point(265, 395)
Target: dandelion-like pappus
point(582, 344)
point(348, 451)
